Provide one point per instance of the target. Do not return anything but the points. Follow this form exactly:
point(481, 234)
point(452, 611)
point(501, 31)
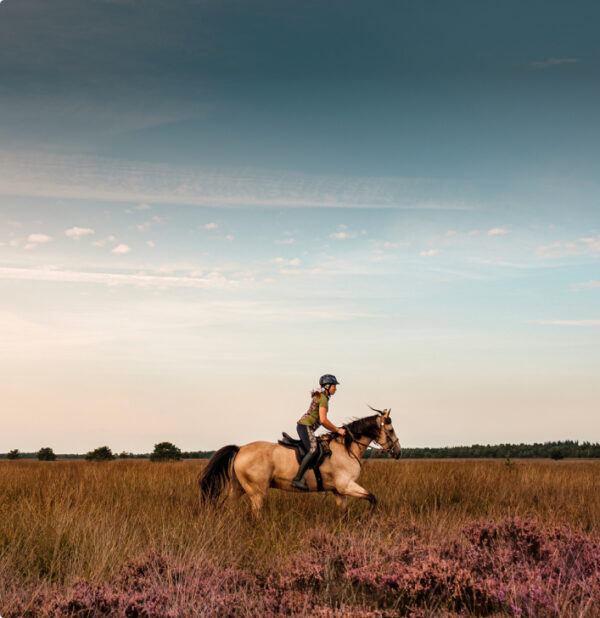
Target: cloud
point(142, 207)
point(474, 232)
point(156, 220)
point(552, 62)
point(285, 241)
point(592, 322)
point(342, 233)
point(39, 238)
point(104, 241)
point(497, 231)
point(210, 226)
point(121, 249)
point(96, 178)
point(429, 252)
point(283, 262)
point(451, 233)
point(211, 280)
point(78, 232)
point(583, 246)
point(587, 284)
point(150, 243)
point(388, 244)
point(229, 237)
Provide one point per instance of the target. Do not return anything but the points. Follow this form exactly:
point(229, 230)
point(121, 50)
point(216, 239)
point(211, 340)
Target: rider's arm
point(327, 423)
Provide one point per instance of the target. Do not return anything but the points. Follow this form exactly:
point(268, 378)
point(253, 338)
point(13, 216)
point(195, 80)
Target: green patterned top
point(311, 417)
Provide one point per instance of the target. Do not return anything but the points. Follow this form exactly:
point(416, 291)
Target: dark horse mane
point(367, 426)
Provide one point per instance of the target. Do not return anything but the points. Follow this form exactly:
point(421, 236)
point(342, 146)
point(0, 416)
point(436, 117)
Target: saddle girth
point(323, 451)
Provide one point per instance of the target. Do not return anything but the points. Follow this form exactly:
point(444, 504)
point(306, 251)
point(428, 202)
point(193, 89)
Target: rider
point(314, 417)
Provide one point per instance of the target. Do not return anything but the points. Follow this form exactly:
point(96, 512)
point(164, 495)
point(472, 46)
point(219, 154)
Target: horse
point(254, 468)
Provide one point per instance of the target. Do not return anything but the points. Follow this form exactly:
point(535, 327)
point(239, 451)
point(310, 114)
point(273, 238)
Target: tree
point(102, 453)
point(125, 455)
point(556, 454)
point(165, 451)
point(46, 454)
point(14, 454)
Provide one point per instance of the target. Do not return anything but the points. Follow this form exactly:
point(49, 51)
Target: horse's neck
point(360, 444)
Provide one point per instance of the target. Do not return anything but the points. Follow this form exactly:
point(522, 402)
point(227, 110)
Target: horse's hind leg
point(257, 499)
point(235, 492)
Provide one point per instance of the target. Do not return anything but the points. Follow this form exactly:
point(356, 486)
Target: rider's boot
point(299, 481)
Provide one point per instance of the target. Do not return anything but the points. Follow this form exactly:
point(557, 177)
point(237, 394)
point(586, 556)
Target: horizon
point(204, 207)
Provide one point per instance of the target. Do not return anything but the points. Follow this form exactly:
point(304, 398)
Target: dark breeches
point(307, 435)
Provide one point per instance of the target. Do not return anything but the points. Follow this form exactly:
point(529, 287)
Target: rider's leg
point(307, 435)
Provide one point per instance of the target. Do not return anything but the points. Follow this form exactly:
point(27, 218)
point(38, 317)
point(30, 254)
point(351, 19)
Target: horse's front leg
point(356, 491)
point(342, 504)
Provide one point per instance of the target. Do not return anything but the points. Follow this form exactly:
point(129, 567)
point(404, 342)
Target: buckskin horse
point(255, 467)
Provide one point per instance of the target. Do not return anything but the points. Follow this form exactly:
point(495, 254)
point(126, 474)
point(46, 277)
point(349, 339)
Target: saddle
point(323, 451)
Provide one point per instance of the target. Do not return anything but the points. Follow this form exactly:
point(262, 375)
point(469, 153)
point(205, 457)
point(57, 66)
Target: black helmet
point(327, 379)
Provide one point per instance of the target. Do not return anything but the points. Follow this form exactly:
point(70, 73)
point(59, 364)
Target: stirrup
point(300, 484)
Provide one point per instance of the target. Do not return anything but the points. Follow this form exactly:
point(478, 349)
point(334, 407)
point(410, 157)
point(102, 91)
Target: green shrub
point(102, 453)
point(46, 454)
point(165, 451)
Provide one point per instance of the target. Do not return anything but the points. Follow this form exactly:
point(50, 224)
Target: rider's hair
point(316, 393)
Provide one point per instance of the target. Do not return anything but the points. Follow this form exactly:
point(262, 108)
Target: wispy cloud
point(587, 322)
point(100, 243)
point(97, 178)
point(582, 246)
point(78, 232)
point(285, 262)
point(156, 220)
point(587, 284)
point(388, 244)
point(429, 252)
point(211, 280)
point(210, 226)
point(343, 233)
point(552, 62)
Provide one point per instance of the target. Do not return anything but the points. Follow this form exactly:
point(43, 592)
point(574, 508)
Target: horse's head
point(386, 437)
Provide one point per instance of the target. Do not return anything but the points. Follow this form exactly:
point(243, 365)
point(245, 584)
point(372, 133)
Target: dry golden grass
point(68, 519)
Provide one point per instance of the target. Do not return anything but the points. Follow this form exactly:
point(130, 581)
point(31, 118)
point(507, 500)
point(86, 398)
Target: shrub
point(102, 453)
point(556, 454)
point(46, 454)
point(14, 454)
point(165, 451)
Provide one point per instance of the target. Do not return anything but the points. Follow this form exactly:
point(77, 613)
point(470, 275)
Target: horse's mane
point(367, 426)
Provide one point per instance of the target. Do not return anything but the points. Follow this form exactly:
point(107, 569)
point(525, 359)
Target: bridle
point(387, 447)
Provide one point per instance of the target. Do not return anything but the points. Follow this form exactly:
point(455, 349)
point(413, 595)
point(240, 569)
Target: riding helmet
point(328, 379)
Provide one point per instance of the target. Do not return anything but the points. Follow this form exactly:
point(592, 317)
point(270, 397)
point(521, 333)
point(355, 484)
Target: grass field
point(448, 538)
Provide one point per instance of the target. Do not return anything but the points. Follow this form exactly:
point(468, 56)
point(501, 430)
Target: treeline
point(94, 455)
point(163, 451)
point(554, 450)
point(167, 451)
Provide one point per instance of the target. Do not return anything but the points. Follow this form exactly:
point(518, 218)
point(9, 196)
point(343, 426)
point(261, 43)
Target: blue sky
point(205, 206)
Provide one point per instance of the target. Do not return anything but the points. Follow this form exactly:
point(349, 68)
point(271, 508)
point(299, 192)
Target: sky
point(206, 205)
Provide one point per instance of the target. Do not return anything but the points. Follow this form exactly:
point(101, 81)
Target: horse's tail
point(218, 472)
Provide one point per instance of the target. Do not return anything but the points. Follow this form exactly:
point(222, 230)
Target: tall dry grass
point(66, 520)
